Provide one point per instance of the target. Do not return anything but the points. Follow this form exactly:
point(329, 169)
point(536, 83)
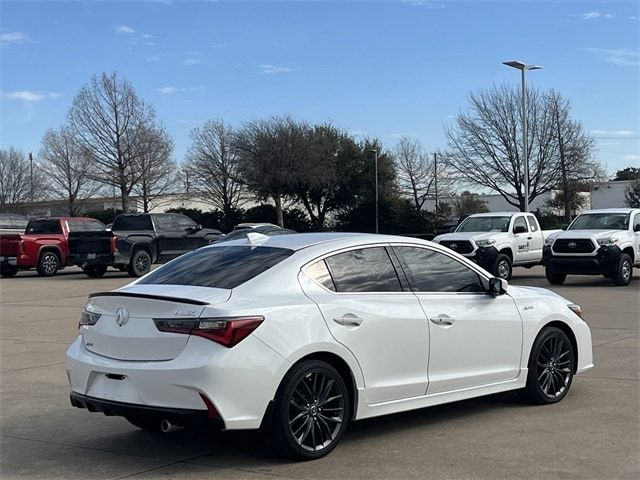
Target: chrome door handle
point(349, 320)
point(442, 320)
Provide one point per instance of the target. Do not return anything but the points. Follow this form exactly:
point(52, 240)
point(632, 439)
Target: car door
point(366, 308)
point(168, 237)
point(520, 231)
point(191, 239)
point(475, 338)
point(535, 239)
point(635, 228)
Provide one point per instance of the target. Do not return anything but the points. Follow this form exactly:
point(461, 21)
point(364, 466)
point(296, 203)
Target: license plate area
point(91, 256)
point(112, 386)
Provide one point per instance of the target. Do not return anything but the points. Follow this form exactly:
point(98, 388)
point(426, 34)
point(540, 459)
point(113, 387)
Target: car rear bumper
point(89, 259)
point(604, 262)
point(238, 382)
point(177, 416)
point(9, 260)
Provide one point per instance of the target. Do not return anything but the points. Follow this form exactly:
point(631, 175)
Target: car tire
point(95, 271)
point(502, 267)
point(8, 271)
point(555, 278)
point(551, 368)
point(140, 263)
point(48, 264)
point(149, 424)
point(300, 428)
point(624, 271)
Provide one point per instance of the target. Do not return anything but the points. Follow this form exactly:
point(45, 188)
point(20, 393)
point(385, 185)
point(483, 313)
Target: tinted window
point(364, 270)
point(132, 222)
point(533, 223)
point(76, 226)
point(601, 221)
point(44, 226)
point(320, 273)
point(433, 271)
point(636, 221)
point(164, 223)
point(183, 222)
point(519, 222)
point(93, 226)
point(5, 221)
point(219, 267)
point(19, 222)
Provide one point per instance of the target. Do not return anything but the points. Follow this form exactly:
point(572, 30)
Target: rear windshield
point(218, 267)
point(132, 222)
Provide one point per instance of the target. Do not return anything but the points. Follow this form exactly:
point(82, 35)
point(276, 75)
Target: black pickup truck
point(138, 240)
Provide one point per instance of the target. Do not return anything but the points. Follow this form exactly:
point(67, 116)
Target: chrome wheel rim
point(503, 269)
point(626, 271)
point(316, 411)
point(142, 263)
point(554, 366)
point(50, 263)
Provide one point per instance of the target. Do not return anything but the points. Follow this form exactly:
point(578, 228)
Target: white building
point(609, 194)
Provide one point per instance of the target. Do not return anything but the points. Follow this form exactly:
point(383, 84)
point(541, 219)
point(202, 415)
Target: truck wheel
point(97, 270)
point(624, 271)
point(555, 278)
point(140, 264)
point(502, 267)
point(8, 270)
point(48, 264)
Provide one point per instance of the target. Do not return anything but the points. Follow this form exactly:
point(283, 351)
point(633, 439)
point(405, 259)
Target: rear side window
point(218, 267)
point(364, 270)
point(132, 222)
point(43, 226)
point(533, 223)
point(320, 273)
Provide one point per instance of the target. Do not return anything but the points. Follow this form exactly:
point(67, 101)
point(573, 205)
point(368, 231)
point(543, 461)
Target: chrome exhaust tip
point(167, 427)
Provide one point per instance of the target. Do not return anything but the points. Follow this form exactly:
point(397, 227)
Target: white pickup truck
point(498, 241)
point(598, 242)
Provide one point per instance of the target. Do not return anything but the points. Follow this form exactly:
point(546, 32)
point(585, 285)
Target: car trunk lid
point(126, 330)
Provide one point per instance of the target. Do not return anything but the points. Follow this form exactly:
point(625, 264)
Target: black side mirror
point(497, 286)
point(519, 229)
point(565, 226)
point(636, 227)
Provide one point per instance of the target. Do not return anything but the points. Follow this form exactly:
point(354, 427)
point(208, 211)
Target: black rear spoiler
point(148, 296)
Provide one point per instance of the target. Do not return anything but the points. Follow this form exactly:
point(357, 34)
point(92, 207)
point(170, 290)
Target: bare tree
point(486, 144)
point(212, 166)
point(268, 151)
point(67, 169)
point(416, 175)
point(155, 169)
point(20, 180)
point(107, 119)
point(575, 154)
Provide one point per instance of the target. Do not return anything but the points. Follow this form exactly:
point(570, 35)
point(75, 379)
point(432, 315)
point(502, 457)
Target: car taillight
point(88, 318)
point(114, 244)
point(227, 331)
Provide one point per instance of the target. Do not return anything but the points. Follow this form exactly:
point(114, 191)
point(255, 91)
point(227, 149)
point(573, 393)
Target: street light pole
point(375, 153)
point(523, 67)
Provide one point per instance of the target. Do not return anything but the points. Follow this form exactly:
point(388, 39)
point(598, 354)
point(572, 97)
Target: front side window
point(364, 270)
point(485, 224)
point(218, 267)
point(44, 227)
point(636, 222)
point(183, 222)
point(164, 223)
point(76, 226)
point(432, 271)
point(600, 221)
point(520, 222)
point(93, 226)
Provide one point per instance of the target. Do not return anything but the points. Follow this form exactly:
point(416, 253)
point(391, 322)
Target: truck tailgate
point(10, 245)
point(90, 242)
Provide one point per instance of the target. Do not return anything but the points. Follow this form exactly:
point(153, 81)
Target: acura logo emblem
point(453, 246)
point(572, 245)
point(122, 316)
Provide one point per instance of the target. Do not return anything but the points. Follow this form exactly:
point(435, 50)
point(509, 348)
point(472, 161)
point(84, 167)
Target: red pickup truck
point(48, 245)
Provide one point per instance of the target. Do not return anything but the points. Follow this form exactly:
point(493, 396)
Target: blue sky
point(377, 68)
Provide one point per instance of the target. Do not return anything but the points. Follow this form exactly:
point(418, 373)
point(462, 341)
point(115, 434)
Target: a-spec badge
point(122, 316)
point(185, 313)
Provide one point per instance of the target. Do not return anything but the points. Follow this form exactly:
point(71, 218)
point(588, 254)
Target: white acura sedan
point(306, 332)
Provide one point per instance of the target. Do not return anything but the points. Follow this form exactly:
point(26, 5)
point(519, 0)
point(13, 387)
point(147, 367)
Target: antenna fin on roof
point(256, 238)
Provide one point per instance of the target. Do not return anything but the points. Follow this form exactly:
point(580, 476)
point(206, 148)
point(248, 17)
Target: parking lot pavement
point(593, 433)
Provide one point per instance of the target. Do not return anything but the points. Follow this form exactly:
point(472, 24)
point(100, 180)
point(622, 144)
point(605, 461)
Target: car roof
point(68, 219)
point(298, 241)
point(495, 214)
point(611, 210)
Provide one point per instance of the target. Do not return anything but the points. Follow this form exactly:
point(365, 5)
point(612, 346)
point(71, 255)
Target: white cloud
point(124, 29)
point(169, 89)
point(190, 62)
point(424, 3)
point(618, 56)
point(30, 95)
point(147, 36)
point(9, 38)
point(269, 69)
point(613, 133)
point(593, 15)
point(220, 45)
point(632, 157)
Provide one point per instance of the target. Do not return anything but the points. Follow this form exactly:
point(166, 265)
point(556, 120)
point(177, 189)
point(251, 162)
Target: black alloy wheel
point(312, 411)
point(140, 264)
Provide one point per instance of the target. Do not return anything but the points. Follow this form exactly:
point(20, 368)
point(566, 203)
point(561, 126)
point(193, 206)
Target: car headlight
point(485, 243)
point(607, 242)
point(549, 241)
point(576, 309)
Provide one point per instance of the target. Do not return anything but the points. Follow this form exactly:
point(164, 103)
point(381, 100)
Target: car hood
point(469, 236)
point(518, 292)
point(587, 234)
